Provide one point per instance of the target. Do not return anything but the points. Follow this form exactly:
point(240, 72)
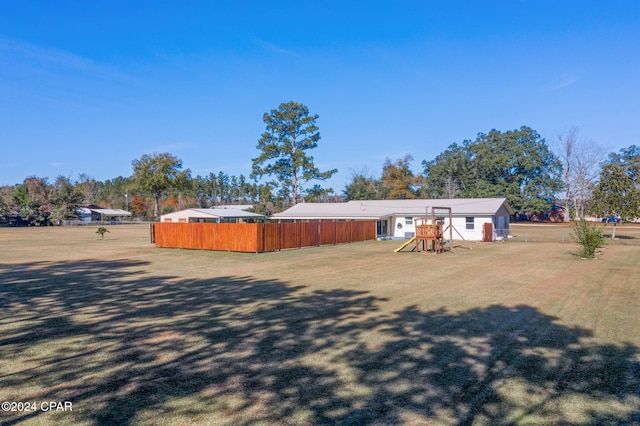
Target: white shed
point(221, 215)
point(395, 218)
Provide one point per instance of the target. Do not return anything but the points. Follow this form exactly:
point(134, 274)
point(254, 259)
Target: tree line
point(520, 166)
point(516, 164)
point(36, 201)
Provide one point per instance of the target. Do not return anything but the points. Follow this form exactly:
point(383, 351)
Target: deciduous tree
point(138, 205)
point(290, 133)
point(398, 181)
point(156, 173)
point(581, 160)
point(515, 164)
point(89, 188)
point(448, 175)
point(33, 199)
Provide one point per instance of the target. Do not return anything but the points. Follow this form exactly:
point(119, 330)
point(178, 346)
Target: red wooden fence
point(260, 237)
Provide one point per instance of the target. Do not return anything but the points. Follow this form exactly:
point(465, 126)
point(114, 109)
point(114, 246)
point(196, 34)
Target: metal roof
point(204, 213)
point(378, 209)
point(111, 212)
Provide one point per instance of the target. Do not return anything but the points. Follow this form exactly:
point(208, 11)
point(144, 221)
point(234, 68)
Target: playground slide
point(405, 244)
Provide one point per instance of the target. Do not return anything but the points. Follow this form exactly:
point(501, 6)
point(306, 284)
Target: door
point(381, 228)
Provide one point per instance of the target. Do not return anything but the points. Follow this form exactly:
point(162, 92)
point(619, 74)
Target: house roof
point(104, 212)
point(378, 209)
point(208, 213)
point(112, 212)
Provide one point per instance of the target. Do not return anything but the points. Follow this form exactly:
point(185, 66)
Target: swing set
point(430, 231)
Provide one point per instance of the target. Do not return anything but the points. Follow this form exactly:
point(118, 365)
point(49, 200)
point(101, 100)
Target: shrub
point(589, 237)
point(102, 231)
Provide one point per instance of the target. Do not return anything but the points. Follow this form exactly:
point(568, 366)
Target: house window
point(408, 220)
point(168, 219)
point(469, 222)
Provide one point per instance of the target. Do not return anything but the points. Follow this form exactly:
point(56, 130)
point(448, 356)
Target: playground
point(514, 332)
point(431, 232)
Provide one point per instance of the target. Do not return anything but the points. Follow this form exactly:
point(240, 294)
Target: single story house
point(395, 218)
point(90, 214)
point(216, 215)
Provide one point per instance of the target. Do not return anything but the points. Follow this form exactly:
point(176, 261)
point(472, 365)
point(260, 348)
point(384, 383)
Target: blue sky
point(89, 86)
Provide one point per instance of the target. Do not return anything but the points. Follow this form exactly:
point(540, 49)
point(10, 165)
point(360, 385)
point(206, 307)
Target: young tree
point(156, 173)
point(290, 133)
point(616, 195)
point(102, 230)
point(588, 236)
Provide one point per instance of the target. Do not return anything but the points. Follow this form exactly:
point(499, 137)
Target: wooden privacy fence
point(260, 237)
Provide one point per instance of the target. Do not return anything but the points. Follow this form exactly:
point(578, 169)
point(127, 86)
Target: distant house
point(89, 214)
point(224, 214)
point(556, 213)
point(395, 218)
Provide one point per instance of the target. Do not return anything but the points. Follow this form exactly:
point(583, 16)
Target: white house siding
point(404, 226)
point(400, 228)
point(399, 215)
point(176, 217)
point(210, 216)
point(501, 226)
point(472, 234)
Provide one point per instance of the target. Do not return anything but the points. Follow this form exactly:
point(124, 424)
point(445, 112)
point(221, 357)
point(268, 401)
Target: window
point(408, 220)
point(469, 222)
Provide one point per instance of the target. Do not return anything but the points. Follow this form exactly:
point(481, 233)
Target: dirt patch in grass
point(511, 332)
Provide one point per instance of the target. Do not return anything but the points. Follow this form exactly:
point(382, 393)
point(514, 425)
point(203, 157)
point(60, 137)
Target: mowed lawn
point(510, 332)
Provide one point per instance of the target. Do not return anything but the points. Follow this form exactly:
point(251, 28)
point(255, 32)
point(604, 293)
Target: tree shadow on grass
point(127, 347)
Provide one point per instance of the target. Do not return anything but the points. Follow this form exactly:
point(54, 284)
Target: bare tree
point(581, 159)
point(451, 187)
point(89, 188)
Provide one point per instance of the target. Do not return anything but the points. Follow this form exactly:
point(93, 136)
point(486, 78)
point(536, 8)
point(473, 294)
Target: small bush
point(102, 231)
point(589, 237)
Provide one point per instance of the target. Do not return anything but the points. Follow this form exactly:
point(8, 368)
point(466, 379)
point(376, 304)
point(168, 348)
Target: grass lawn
point(510, 332)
